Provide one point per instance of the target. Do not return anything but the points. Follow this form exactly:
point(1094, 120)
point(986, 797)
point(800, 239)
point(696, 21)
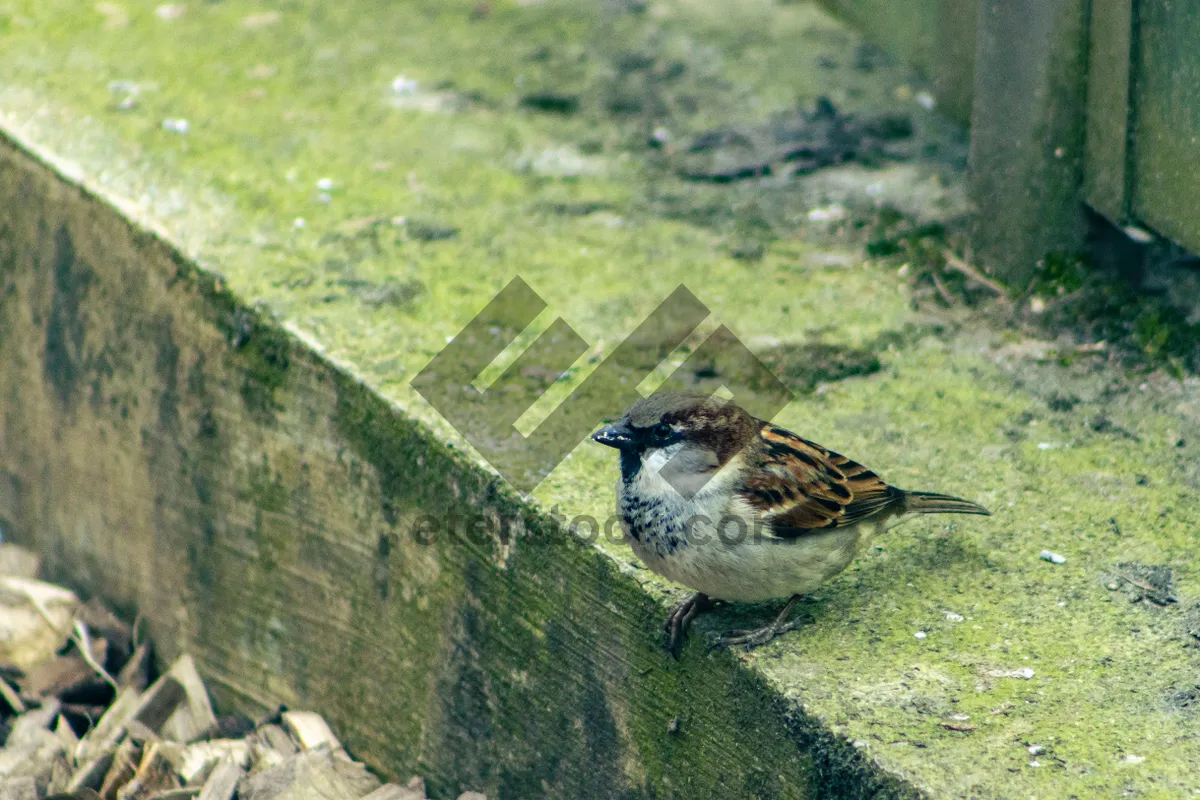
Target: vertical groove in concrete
point(1027, 133)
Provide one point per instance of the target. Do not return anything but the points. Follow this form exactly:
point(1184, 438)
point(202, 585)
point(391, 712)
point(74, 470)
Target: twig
point(1061, 300)
point(1021, 298)
point(941, 288)
point(83, 642)
point(133, 632)
point(79, 636)
point(958, 265)
point(41, 609)
point(11, 697)
point(1151, 592)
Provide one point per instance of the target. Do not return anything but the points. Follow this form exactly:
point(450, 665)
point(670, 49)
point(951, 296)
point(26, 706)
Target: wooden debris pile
point(83, 717)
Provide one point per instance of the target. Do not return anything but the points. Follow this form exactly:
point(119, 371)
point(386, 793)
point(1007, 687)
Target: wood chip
point(311, 731)
point(36, 758)
point(141, 732)
point(11, 697)
point(124, 764)
point(19, 789)
point(66, 735)
point(185, 793)
point(27, 728)
point(135, 673)
point(199, 758)
point(309, 776)
point(91, 774)
point(195, 716)
point(111, 728)
point(272, 746)
point(35, 621)
point(413, 790)
point(81, 794)
point(223, 781)
point(155, 774)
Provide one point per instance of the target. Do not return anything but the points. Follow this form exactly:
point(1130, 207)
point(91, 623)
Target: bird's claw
point(750, 639)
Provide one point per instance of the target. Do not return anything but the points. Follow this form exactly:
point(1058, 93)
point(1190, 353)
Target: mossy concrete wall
point(191, 461)
point(204, 364)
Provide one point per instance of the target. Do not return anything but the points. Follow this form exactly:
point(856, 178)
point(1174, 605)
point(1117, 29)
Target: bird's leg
point(754, 638)
point(681, 616)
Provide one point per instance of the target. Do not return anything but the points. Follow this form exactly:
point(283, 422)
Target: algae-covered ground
point(375, 172)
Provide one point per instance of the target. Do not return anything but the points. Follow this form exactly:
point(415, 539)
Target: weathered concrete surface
point(1028, 132)
point(146, 412)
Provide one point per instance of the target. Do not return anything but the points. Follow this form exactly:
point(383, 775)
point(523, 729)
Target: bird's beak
point(618, 435)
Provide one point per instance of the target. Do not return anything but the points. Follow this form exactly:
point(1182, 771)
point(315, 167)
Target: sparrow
point(738, 509)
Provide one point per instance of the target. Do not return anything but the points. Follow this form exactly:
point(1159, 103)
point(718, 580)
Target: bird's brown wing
point(800, 486)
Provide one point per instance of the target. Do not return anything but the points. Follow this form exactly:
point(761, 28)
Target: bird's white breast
point(714, 543)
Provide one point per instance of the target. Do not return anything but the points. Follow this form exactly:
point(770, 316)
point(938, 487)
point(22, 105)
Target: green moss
point(572, 203)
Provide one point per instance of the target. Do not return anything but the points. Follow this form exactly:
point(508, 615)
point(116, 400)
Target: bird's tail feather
point(934, 503)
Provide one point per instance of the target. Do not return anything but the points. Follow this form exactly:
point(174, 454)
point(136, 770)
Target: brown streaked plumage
point(693, 468)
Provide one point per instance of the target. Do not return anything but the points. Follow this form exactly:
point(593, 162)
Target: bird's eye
point(662, 431)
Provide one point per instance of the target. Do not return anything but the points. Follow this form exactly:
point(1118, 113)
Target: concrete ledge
point(213, 422)
point(186, 457)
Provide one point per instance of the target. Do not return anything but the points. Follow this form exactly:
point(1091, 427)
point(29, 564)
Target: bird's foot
point(750, 639)
point(754, 638)
point(680, 617)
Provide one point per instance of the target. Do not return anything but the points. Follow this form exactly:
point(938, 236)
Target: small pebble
point(255, 21)
point(925, 100)
point(175, 125)
point(299, 222)
point(1035, 763)
point(859, 744)
point(170, 12)
point(403, 86)
point(950, 615)
point(1139, 235)
point(830, 213)
point(1035, 749)
point(920, 634)
point(1053, 558)
point(1132, 759)
point(325, 184)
